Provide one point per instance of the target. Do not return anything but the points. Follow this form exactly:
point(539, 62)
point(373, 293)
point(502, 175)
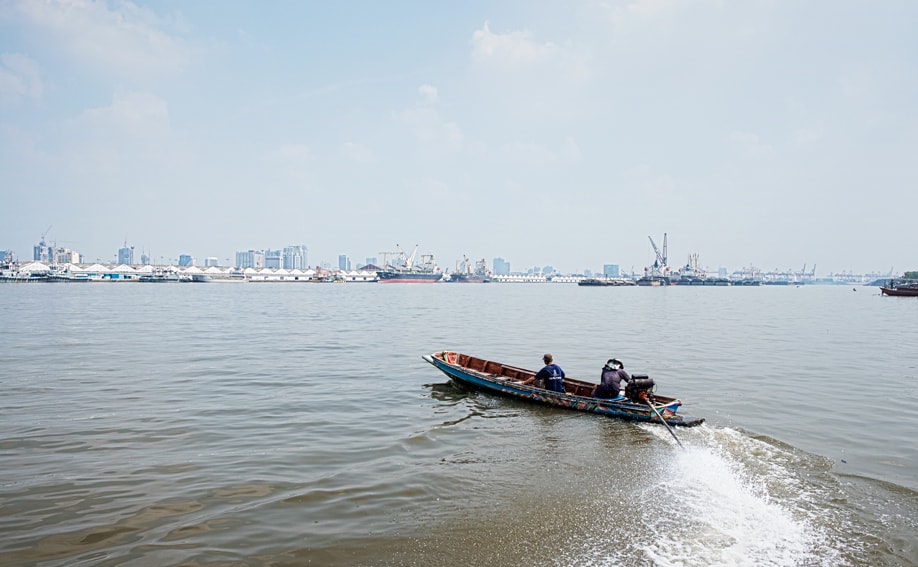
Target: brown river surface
point(296, 424)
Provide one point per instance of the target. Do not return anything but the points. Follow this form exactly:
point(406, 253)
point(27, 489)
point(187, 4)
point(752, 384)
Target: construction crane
point(45, 233)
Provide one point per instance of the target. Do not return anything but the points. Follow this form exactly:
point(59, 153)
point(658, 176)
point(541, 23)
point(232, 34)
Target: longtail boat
point(638, 403)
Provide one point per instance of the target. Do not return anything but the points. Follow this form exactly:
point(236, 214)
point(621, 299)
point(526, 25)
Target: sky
point(766, 133)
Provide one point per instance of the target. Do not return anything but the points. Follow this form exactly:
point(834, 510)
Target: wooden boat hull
point(900, 291)
point(500, 379)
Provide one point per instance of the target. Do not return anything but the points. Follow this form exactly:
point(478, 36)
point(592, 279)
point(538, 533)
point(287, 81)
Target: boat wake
point(744, 501)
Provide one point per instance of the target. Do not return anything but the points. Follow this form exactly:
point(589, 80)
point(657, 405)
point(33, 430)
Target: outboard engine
point(640, 389)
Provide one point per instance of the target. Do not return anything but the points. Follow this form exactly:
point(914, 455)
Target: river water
point(296, 424)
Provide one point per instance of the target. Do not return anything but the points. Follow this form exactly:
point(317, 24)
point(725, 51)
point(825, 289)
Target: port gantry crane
point(659, 265)
point(408, 260)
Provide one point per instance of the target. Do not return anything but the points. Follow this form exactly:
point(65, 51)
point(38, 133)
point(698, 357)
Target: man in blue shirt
point(551, 375)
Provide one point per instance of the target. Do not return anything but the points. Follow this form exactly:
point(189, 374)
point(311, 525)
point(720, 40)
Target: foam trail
point(730, 517)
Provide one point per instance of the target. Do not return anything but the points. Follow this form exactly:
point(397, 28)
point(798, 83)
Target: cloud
point(288, 165)
point(291, 154)
point(646, 11)
point(429, 94)
point(20, 78)
point(807, 137)
point(511, 49)
point(359, 153)
point(525, 79)
point(650, 8)
point(435, 135)
point(750, 146)
point(120, 37)
point(130, 138)
point(429, 190)
point(137, 113)
point(537, 155)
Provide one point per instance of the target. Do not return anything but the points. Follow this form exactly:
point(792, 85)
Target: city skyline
point(297, 257)
point(772, 134)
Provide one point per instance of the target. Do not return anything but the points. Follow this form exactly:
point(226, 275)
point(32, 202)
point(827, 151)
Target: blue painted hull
point(502, 385)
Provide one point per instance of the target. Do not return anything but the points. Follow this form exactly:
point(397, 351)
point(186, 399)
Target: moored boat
point(408, 276)
point(901, 291)
point(408, 271)
point(639, 403)
point(465, 273)
point(594, 282)
point(605, 282)
point(653, 281)
point(160, 275)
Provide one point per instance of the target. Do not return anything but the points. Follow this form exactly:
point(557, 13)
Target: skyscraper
point(273, 259)
point(501, 267)
point(126, 254)
point(65, 256)
point(610, 270)
point(344, 263)
point(295, 257)
point(250, 259)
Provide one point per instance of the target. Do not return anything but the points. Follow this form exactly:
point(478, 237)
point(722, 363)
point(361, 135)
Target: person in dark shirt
point(610, 385)
point(551, 375)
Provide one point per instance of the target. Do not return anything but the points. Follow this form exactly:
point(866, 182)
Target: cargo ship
point(466, 274)
point(407, 271)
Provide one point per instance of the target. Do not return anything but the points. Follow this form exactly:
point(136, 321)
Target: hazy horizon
point(762, 133)
point(356, 263)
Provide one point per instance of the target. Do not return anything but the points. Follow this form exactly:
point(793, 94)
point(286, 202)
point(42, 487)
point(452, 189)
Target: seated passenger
point(613, 374)
point(551, 377)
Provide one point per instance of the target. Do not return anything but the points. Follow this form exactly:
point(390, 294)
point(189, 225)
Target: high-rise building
point(6, 255)
point(65, 256)
point(501, 267)
point(144, 259)
point(274, 259)
point(211, 261)
point(126, 254)
point(295, 257)
point(610, 270)
point(344, 263)
point(371, 262)
point(41, 252)
point(185, 260)
point(250, 259)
